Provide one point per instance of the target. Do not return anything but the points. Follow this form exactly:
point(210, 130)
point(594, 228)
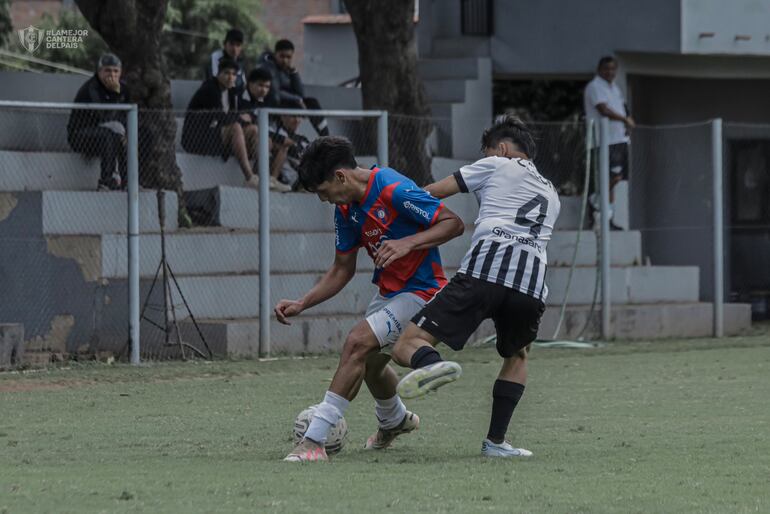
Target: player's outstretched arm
point(446, 226)
point(338, 275)
point(444, 187)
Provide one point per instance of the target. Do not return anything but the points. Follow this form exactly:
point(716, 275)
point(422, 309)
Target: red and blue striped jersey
point(394, 207)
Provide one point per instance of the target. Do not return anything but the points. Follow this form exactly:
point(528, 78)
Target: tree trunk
point(387, 60)
point(132, 30)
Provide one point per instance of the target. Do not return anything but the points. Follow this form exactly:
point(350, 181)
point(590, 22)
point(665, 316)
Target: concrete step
point(200, 252)
point(238, 208)
point(445, 90)
point(322, 334)
point(462, 68)
point(68, 171)
point(79, 213)
point(459, 47)
point(236, 296)
point(648, 321)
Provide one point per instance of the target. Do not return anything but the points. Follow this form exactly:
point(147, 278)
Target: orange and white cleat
point(384, 436)
point(307, 451)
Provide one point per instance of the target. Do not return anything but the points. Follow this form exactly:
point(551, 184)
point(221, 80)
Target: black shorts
point(618, 160)
point(458, 309)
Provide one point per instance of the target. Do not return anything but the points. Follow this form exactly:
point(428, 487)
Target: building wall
point(331, 55)
point(284, 21)
point(725, 27)
point(667, 100)
point(28, 12)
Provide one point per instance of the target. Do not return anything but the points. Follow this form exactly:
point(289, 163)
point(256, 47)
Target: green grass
point(675, 426)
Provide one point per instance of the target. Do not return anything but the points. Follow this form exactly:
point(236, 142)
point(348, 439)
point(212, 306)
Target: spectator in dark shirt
point(232, 48)
point(211, 124)
point(287, 84)
point(287, 147)
point(257, 93)
point(102, 133)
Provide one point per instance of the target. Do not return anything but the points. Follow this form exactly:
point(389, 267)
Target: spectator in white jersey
point(502, 277)
point(603, 98)
point(232, 47)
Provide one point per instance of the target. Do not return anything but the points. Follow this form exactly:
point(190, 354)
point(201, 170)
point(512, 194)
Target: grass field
point(674, 426)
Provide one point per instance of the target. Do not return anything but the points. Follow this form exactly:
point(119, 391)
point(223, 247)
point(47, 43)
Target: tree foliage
point(195, 28)
point(387, 61)
point(6, 28)
point(191, 31)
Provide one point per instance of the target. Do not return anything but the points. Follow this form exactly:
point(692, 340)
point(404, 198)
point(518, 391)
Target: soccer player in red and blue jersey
point(400, 226)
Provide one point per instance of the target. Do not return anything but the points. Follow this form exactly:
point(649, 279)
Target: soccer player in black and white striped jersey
point(502, 276)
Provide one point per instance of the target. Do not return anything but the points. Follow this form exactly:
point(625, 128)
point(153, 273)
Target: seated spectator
point(287, 147)
point(232, 48)
point(102, 133)
point(257, 93)
point(287, 84)
point(211, 124)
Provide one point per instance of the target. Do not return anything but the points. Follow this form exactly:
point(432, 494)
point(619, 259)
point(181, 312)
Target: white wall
point(726, 19)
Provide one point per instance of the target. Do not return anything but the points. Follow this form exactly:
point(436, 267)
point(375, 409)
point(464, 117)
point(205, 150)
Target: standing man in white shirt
point(603, 98)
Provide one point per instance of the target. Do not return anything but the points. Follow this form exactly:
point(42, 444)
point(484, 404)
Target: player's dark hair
point(325, 155)
point(234, 36)
point(605, 60)
point(260, 75)
point(507, 126)
point(283, 44)
point(226, 63)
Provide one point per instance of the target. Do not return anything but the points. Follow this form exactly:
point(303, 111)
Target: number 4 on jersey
point(521, 214)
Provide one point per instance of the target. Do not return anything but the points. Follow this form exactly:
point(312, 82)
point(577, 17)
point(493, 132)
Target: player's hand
point(392, 250)
point(286, 309)
point(630, 123)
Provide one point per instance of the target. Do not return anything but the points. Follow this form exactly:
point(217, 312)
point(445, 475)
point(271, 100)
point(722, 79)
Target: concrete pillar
point(11, 344)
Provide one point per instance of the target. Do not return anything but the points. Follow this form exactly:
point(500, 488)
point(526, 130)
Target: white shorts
point(388, 317)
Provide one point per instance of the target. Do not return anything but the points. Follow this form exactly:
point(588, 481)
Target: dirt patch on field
point(23, 386)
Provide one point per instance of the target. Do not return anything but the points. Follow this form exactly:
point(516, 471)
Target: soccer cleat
point(307, 451)
point(504, 449)
point(424, 380)
point(385, 436)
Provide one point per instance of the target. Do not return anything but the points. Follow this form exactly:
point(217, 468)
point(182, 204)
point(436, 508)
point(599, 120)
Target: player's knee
point(359, 345)
point(401, 353)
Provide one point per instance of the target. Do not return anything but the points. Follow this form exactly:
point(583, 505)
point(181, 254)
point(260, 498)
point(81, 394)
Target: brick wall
point(283, 18)
point(27, 12)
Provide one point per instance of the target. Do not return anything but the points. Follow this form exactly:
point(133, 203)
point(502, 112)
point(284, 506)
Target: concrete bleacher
point(63, 258)
point(85, 253)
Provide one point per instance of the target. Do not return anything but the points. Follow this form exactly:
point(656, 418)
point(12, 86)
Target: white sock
point(390, 412)
point(326, 415)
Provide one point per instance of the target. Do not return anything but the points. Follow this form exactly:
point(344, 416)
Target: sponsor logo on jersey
point(499, 232)
point(417, 210)
point(372, 233)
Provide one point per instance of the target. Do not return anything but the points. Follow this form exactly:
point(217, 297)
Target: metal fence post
point(133, 232)
point(716, 157)
point(264, 235)
point(382, 139)
point(604, 196)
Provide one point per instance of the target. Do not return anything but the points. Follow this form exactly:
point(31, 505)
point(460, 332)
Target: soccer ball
point(337, 434)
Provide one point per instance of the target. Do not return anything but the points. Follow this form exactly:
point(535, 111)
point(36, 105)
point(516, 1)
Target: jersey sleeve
point(474, 176)
point(416, 204)
point(594, 95)
point(347, 237)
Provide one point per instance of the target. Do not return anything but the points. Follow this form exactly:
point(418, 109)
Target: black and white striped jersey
point(517, 210)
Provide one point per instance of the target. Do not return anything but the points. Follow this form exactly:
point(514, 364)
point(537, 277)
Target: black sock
point(424, 356)
point(505, 396)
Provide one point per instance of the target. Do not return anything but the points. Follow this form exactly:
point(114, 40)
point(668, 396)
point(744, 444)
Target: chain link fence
point(64, 238)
